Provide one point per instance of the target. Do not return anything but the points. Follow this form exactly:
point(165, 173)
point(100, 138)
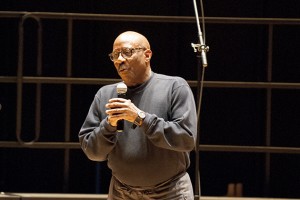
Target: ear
point(148, 54)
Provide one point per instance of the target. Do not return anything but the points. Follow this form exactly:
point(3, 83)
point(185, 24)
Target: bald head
point(134, 68)
point(134, 38)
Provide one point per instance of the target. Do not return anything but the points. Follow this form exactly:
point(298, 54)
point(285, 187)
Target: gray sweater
point(159, 149)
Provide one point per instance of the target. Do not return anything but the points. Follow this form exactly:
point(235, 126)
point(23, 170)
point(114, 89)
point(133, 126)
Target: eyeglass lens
point(126, 53)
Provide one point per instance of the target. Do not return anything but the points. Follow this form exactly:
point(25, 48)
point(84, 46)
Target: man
point(149, 158)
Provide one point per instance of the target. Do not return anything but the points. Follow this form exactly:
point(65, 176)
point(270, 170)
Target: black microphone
point(121, 90)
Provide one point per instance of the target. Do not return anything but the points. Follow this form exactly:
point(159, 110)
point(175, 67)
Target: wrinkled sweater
point(158, 150)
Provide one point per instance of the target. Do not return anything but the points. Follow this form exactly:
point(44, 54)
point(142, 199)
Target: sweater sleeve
point(180, 131)
point(97, 137)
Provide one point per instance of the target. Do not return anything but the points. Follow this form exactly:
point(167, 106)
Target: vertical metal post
point(268, 110)
point(38, 85)
point(20, 82)
point(68, 106)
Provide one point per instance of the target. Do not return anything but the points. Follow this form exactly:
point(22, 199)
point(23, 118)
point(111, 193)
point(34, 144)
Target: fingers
point(113, 119)
point(121, 100)
point(119, 108)
point(118, 103)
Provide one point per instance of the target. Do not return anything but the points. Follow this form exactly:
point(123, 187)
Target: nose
point(120, 58)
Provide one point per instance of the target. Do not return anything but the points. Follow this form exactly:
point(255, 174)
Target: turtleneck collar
point(140, 87)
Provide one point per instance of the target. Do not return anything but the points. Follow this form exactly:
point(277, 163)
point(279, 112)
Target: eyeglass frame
point(131, 50)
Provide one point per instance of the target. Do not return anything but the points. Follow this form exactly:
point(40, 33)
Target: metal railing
point(20, 79)
point(69, 80)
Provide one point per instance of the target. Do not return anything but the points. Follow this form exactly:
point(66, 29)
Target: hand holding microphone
point(117, 108)
point(120, 109)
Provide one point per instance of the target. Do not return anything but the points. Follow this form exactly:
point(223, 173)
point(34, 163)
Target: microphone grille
point(121, 88)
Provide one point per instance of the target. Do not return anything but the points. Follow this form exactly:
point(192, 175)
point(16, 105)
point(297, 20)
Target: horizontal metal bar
point(40, 145)
point(256, 85)
point(150, 18)
point(105, 81)
point(60, 80)
point(250, 149)
point(202, 147)
point(49, 196)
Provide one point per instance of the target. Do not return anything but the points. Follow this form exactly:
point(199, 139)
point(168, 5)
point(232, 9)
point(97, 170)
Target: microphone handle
point(120, 123)
point(122, 95)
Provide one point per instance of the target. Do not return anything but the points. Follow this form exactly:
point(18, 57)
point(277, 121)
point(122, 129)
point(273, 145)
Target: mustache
point(122, 66)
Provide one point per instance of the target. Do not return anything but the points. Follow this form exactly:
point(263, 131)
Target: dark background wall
point(230, 116)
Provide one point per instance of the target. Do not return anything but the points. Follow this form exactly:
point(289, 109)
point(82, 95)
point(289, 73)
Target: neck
point(140, 81)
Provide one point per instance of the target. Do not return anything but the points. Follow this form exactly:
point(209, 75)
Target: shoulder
point(107, 90)
point(174, 80)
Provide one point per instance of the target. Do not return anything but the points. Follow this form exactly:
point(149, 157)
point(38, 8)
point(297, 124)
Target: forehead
point(126, 40)
point(120, 45)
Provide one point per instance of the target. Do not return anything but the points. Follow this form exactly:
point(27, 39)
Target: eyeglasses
point(125, 52)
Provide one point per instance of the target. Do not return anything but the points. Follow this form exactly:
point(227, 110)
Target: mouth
point(122, 68)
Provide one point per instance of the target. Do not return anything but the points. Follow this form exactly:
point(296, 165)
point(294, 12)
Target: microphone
point(121, 90)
